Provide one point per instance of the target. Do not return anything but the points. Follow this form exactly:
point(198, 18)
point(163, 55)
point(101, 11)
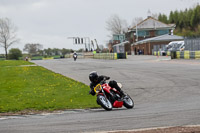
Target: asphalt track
point(166, 93)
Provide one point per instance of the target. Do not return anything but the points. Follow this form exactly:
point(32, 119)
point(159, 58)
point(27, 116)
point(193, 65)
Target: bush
point(2, 56)
point(15, 53)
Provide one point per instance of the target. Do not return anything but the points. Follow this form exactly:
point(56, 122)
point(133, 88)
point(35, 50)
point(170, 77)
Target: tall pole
point(89, 43)
point(136, 32)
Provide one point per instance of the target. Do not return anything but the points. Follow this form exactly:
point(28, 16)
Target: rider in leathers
point(95, 79)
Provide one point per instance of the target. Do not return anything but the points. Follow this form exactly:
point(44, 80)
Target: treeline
point(187, 21)
point(37, 50)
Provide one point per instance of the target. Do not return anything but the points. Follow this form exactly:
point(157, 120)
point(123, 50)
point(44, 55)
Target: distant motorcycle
point(110, 98)
point(75, 56)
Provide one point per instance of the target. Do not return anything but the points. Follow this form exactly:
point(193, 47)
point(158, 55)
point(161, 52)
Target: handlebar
point(102, 81)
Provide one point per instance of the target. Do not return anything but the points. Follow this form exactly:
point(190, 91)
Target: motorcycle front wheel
point(128, 102)
point(104, 102)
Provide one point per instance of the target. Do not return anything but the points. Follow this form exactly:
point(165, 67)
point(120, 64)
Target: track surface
point(166, 93)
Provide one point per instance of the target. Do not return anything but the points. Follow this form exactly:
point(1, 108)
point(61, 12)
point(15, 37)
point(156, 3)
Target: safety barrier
point(109, 56)
point(49, 58)
point(67, 55)
point(181, 54)
point(157, 53)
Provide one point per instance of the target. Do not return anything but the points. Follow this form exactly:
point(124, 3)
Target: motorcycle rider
point(95, 79)
point(75, 56)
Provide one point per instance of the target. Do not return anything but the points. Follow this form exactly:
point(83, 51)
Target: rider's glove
point(107, 78)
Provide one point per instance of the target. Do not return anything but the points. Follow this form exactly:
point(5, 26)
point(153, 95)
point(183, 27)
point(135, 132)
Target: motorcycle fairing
point(106, 88)
point(118, 104)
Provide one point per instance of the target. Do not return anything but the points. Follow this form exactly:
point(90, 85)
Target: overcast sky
point(51, 22)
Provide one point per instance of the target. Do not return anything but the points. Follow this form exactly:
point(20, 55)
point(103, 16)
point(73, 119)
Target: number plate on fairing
point(97, 88)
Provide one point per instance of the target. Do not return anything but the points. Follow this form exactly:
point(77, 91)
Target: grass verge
point(36, 88)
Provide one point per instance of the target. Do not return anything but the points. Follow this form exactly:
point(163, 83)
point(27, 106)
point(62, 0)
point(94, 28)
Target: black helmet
point(93, 76)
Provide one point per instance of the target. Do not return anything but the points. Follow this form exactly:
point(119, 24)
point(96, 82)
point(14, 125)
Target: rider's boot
point(120, 91)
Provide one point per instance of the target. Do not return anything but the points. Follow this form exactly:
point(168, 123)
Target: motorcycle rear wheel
point(128, 102)
point(104, 102)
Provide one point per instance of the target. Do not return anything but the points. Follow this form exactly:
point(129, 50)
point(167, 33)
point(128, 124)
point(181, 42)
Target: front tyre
point(104, 102)
point(128, 102)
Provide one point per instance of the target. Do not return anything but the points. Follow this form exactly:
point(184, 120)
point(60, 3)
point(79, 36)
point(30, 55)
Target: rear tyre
point(104, 102)
point(128, 102)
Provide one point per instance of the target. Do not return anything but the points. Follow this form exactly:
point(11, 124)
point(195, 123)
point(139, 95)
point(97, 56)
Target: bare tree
point(116, 25)
point(33, 48)
point(7, 34)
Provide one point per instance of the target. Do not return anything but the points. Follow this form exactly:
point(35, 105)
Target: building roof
point(161, 38)
point(121, 44)
point(152, 23)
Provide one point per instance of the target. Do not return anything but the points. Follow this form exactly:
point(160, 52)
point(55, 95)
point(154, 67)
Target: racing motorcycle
point(109, 98)
point(75, 57)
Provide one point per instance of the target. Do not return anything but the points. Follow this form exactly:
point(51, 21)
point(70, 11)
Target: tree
point(187, 21)
point(116, 25)
point(41, 52)
point(56, 51)
point(195, 20)
point(15, 53)
point(181, 19)
point(188, 17)
point(175, 17)
point(32, 49)
point(80, 50)
point(65, 51)
point(163, 18)
point(7, 34)
point(48, 51)
point(171, 17)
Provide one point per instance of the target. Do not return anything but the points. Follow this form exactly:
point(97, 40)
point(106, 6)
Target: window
point(162, 32)
point(143, 33)
point(119, 37)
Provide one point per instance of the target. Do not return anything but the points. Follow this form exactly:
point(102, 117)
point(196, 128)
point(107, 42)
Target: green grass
point(37, 58)
point(41, 57)
point(9, 63)
point(36, 88)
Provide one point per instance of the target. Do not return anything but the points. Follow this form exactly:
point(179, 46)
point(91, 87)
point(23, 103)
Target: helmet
point(93, 76)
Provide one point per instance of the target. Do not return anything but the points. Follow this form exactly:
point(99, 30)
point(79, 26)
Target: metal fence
point(192, 44)
point(110, 56)
point(159, 47)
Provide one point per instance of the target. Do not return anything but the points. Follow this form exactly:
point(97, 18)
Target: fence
point(110, 56)
point(181, 54)
point(191, 50)
point(192, 44)
point(70, 55)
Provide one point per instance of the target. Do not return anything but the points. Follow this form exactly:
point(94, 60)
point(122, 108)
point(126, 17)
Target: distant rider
point(95, 79)
point(75, 56)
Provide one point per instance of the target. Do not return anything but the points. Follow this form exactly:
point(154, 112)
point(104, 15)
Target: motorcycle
point(109, 98)
point(75, 57)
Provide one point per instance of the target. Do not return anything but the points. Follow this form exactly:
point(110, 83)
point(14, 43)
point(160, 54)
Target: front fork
point(103, 92)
